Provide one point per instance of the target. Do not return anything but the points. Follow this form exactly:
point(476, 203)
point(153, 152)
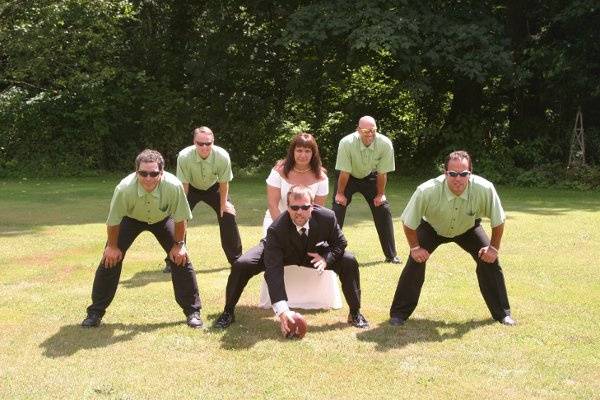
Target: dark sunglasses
point(203, 144)
point(296, 208)
point(454, 174)
point(153, 174)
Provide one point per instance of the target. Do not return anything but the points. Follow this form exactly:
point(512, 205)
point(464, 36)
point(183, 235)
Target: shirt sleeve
point(280, 307)
point(323, 187)
point(274, 179)
point(414, 211)
point(118, 208)
point(182, 208)
point(495, 211)
point(386, 162)
point(225, 174)
point(182, 172)
point(343, 160)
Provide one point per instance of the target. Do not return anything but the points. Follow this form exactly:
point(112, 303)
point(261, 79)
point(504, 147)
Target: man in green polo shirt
point(205, 171)
point(364, 159)
point(446, 209)
point(149, 199)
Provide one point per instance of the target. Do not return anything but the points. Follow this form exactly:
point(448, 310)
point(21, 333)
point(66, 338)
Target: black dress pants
point(489, 275)
point(252, 263)
point(228, 229)
point(183, 277)
point(382, 215)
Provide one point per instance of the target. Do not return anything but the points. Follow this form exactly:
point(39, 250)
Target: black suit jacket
point(282, 246)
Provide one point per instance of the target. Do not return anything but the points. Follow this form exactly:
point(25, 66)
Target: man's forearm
point(342, 181)
point(180, 230)
point(381, 183)
point(112, 232)
point(497, 232)
point(411, 237)
point(223, 193)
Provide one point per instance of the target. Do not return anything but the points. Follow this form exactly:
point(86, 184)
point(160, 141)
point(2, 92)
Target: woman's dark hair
point(304, 140)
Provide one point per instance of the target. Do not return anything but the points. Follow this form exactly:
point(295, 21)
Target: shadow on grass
point(72, 338)
point(389, 337)
point(253, 324)
point(372, 263)
point(144, 278)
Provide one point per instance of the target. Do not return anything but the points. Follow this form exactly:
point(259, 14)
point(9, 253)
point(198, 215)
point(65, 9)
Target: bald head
point(367, 129)
point(367, 120)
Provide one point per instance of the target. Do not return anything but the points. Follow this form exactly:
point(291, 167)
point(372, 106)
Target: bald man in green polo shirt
point(446, 209)
point(153, 200)
point(364, 159)
point(205, 171)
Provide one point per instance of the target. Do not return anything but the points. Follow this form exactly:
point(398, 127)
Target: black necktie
point(303, 238)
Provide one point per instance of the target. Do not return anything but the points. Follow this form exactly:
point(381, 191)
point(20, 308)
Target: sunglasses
point(203, 144)
point(296, 208)
point(454, 174)
point(145, 174)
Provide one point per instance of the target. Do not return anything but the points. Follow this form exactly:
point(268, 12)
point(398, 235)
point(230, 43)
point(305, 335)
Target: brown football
point(298, 327)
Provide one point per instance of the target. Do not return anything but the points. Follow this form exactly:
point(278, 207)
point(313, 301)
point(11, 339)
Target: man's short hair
point(458, 155)
point(150, 156)
point(298, 192)
point(202, 129)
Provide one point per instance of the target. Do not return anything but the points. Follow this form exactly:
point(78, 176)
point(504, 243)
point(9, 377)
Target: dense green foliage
point(85, 84)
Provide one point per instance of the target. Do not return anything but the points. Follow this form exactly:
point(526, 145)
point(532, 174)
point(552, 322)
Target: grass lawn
point(51, 238)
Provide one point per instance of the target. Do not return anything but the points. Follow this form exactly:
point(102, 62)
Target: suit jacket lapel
point(313, 235)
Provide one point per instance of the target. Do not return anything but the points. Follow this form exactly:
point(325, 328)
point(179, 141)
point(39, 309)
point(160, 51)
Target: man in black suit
point(307, 235)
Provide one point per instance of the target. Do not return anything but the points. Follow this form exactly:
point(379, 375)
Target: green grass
point(52, 234)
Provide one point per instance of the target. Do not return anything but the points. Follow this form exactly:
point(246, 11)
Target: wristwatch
point(180, 243)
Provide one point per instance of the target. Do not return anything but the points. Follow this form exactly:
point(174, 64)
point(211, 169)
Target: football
point(298, 327)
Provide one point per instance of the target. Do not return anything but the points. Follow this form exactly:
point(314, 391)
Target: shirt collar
point(362, 145)
point(451, 196)
point(305, 226)
point(210, 157)
point(142, 192)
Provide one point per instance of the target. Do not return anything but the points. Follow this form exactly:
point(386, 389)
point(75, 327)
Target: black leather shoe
point(91, 321)
point(357, 320)
point(194, 320)
point(224, 320)
point(167, 269)
point(508, 321)
point(393, 260)
point(397, 321)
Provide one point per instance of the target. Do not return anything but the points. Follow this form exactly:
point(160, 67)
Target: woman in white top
point(302, 166)
point(305, 287)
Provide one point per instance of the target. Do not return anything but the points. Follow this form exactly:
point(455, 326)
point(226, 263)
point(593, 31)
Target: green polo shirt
point(201, 173)
point(359, 160)
point(131, 200)
point(452, 215)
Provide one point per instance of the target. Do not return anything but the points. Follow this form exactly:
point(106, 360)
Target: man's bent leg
point(106, 279)
point(382, 216)
point(338, 209)
point(244, 268)
point(182, 277)
point(412, 277)
point(489, 275)
point(231, 241)
point(347, 270)
point(384, 225)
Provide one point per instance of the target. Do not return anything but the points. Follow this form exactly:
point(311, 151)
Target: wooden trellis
point(577, 153)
